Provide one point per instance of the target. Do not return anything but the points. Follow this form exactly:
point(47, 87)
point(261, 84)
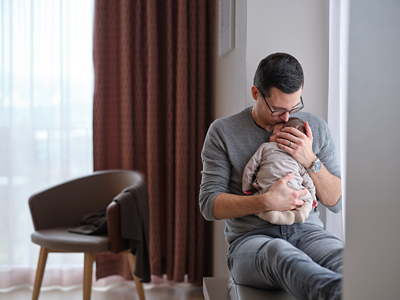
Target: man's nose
point(285, 117)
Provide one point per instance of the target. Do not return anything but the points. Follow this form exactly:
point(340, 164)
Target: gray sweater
point(229, 144)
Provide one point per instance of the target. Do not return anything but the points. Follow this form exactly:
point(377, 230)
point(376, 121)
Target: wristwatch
point(316, 166)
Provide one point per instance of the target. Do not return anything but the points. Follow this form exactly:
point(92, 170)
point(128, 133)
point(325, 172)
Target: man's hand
point(298, 144)
point(282, 198)
point(279, 197)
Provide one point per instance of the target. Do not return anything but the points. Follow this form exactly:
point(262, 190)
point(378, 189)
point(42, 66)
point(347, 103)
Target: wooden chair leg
point(139, 285)
point(40, 272)
point(87, 275)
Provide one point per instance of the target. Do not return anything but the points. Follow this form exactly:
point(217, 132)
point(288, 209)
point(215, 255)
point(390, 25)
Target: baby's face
point(278, 128)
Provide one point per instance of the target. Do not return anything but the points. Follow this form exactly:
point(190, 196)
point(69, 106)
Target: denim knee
point(279, 249)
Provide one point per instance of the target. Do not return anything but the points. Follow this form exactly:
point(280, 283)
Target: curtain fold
point(153, 90)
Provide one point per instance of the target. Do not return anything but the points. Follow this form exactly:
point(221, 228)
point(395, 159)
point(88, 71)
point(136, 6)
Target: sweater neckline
point(251, 108)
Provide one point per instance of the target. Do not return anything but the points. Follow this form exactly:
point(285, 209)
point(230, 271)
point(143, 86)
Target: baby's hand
point(314, 204)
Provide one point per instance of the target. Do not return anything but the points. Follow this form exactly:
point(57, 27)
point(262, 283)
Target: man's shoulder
point(230, 123)
point(242, 115)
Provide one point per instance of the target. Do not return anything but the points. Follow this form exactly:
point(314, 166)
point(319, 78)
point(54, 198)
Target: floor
point(121, 291)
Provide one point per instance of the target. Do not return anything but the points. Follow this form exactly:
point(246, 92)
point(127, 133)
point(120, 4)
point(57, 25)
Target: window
point(46, 95)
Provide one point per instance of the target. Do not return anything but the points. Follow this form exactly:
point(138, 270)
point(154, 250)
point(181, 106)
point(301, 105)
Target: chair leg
point(139, 285)
point(87, 275)
point(40, 272)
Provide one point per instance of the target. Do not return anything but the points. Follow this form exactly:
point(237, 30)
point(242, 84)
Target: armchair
point(61, 207)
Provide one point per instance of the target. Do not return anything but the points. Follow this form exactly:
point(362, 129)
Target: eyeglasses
point(281, 112)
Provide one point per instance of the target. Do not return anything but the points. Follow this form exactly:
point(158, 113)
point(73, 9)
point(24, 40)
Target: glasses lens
point(295, 110)
point(278, 113)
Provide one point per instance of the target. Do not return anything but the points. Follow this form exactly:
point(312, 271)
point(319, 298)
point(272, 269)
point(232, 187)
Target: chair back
point(65, 204)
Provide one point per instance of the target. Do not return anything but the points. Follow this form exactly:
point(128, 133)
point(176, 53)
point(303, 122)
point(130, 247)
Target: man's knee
point(280, 247)
point(276, 246)
point(280, 252)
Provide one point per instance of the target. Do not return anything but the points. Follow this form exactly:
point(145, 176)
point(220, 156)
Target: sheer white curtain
point(337, 98)
point(46, 93)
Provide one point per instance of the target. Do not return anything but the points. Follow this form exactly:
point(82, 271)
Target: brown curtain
point(153, 91)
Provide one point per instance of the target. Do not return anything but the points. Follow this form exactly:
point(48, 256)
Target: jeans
point(303, 259)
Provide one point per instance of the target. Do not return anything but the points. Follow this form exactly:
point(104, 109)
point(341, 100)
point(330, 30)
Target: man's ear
point(254, 92)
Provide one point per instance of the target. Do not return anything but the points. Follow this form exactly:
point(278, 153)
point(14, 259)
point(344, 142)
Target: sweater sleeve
point(216, 171)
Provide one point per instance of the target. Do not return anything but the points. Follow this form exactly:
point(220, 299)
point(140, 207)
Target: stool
point(215, 288)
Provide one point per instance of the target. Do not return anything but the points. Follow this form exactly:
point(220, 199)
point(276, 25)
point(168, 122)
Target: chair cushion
point(61, 239)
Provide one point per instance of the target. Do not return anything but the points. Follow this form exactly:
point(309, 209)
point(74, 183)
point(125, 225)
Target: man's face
point(278, 100)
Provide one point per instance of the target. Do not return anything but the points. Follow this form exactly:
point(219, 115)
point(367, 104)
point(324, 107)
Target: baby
point(268, 165)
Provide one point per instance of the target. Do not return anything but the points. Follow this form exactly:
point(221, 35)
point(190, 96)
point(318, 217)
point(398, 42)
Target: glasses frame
point(280, 113)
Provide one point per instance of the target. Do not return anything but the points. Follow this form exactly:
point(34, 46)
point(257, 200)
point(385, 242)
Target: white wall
point(300, 28)
point(372, 262)
point(263, 27)
point(230, 70)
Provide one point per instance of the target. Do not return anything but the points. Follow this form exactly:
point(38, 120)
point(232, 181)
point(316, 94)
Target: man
point(304, 259)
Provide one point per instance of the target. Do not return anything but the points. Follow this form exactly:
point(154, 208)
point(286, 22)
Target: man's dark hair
point(296, 123)
point(279, 70)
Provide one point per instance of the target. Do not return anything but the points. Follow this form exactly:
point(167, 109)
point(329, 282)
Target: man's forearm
point(328, 186)
point(230, 206)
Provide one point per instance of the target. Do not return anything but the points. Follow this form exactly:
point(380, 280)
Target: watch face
point(317, 165)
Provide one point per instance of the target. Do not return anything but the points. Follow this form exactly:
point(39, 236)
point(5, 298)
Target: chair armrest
point(117, 243)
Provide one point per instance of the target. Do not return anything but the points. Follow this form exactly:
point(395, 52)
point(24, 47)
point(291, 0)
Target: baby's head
point(292, 122)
